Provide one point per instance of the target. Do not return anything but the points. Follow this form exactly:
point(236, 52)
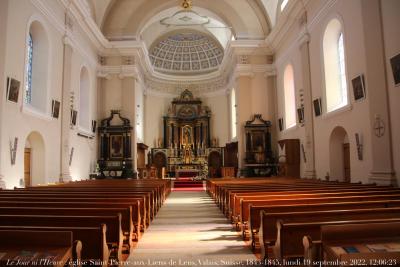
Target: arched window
point(28, 71)
point(84, 100)
point(36, 69)
point(334, 66)
point(290, 97)
point(233, 113)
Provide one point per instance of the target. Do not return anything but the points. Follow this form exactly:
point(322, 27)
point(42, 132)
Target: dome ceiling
point(186, 53)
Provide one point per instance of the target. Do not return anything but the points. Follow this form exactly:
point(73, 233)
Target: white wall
point(155, 108)
point(354, 118)
point(16, 120)
point(220, 119)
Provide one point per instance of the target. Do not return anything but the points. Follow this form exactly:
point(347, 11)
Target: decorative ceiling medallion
point(187, 4)
point(185, 18)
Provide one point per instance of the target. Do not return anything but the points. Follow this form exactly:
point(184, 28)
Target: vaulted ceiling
point(248, 19)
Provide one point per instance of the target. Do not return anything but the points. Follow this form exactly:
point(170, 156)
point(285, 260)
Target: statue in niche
point(187, 136)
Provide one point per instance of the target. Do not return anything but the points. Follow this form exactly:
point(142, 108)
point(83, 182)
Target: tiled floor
point(190, 230)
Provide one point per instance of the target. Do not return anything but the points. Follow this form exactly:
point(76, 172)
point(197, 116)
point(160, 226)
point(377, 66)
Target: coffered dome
point(186, 53)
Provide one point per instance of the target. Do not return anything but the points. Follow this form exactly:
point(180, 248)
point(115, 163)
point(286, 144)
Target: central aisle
point(190, 230)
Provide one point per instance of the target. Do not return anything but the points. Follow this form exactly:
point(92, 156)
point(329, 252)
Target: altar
point(187, 173)
point(185, 148)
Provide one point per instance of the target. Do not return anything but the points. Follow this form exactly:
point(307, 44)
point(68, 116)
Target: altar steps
point(188, 185)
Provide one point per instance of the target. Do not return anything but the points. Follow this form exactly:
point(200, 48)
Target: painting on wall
point(12, 90)
point(317, 107)
point(55, 109)
point(395, 62)
point(358, 87)
point(116, 146)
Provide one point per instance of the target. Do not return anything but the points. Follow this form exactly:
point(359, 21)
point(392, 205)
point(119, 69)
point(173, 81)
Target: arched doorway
point(339, 152)
point(34, 160)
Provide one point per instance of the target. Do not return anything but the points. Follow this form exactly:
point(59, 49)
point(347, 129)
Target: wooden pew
point(29, 248)
point(364, 238)
point(126, 215)
point(113, 223)
point(145, 220)
point(268, 230)
point(235, 198)
point(293, 200)
point(96, 205)
point(254, 223)
point(90, 242)
point(290, 241)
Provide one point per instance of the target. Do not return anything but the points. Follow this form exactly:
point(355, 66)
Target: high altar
point(187, 149)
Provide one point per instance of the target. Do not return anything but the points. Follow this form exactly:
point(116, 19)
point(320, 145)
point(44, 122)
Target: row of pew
point(102, 220)
point(290, 219)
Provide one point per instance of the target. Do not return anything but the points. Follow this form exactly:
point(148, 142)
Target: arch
point(37, 62)
point(289, 96)
point(337, 142)
point(35, 143)
point(334, 62)
point(84, 99)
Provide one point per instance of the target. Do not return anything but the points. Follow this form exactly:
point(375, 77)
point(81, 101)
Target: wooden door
point(27, 167)
point(346, 163)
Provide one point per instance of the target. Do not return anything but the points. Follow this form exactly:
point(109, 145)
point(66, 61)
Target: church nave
point(201, 235)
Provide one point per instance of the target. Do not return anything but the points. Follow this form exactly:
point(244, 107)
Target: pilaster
point(308, 108)
point(65, 174)
point(3, 32)
point(382, 158)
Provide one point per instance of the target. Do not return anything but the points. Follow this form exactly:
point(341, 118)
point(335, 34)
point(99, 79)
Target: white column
point(382, 158)
point(65, 174)
point(244, 109)
point(3, 33)
point(308, 108)
point(129, 111)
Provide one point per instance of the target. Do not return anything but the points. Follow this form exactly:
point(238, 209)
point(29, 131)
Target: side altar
point(186, 149)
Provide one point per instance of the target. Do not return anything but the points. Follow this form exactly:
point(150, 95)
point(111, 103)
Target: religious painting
point(116, 146)
point(317, 107)
point(12, 90)
point(395, 62)
point(358, 87)
point(55, 109)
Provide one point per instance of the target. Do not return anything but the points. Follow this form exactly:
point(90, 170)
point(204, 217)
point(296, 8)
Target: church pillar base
point(2, 183)
point(383, 178)
point(65, 177)
point(310, 174)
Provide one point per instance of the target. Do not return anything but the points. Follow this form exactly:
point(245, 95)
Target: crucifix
point(379, 127)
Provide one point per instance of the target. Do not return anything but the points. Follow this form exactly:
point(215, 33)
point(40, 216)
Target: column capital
point(304, 38)
point(2, 183)
point(68, 41)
